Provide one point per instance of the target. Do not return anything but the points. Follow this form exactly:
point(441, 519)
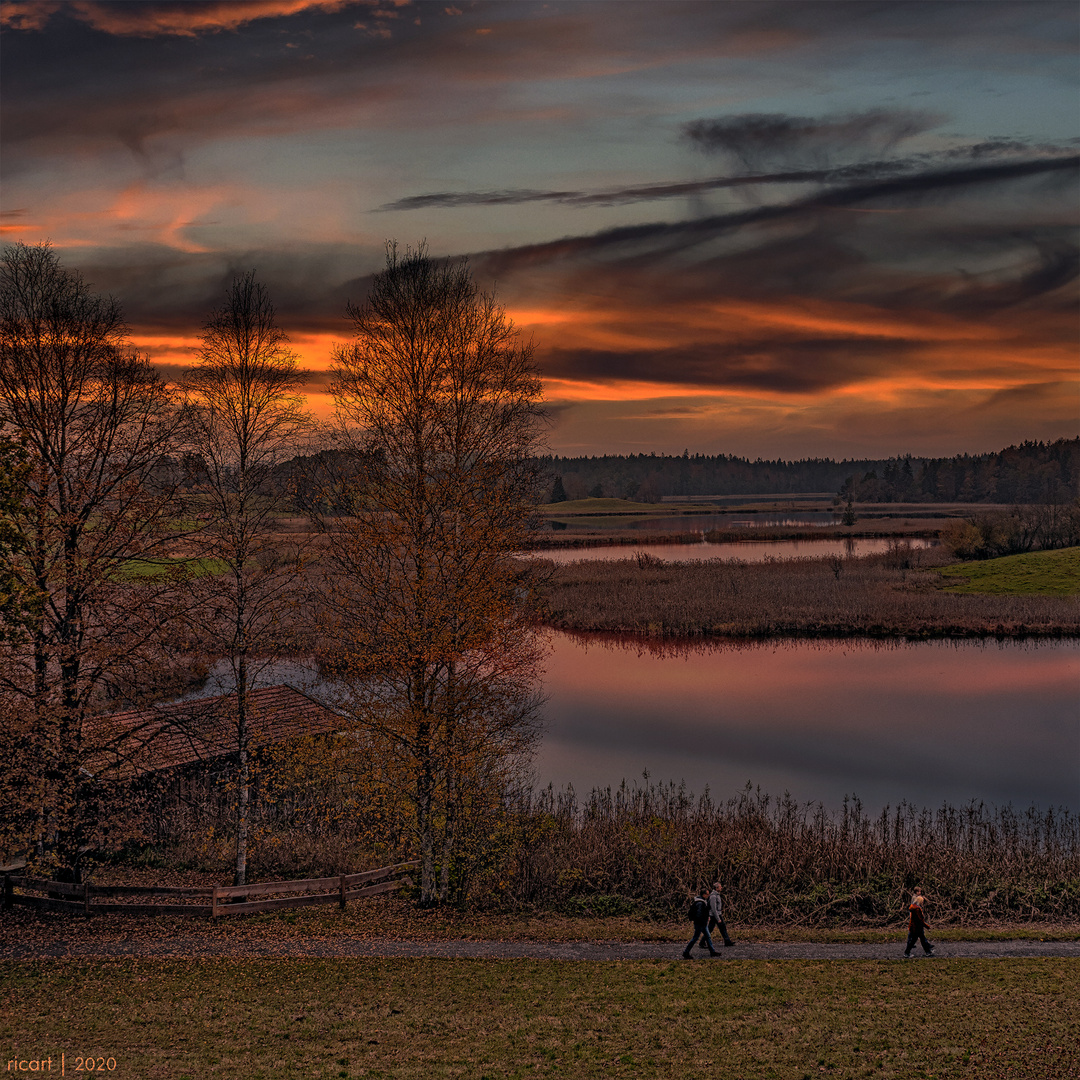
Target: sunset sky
point(766, 229)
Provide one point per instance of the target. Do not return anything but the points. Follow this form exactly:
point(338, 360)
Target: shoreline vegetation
point(902, 593)
point(620, 861)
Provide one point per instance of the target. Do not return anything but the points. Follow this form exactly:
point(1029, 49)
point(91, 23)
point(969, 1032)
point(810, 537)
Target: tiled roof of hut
point(180, 733)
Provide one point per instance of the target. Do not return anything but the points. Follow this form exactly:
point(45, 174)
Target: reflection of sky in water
point(744, 551)
point(929, 722)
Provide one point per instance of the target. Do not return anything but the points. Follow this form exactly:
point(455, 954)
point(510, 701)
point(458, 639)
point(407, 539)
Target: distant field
point(604, 506)
point(1044, 573)
point(142, 569)
point(427, 1019)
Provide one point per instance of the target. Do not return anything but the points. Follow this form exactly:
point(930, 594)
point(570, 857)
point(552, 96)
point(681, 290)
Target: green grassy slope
point(1049, 573)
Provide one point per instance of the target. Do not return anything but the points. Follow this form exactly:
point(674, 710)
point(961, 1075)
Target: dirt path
point(204, 947)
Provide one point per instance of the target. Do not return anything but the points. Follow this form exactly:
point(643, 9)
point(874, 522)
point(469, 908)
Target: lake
point(930, 722)
point(741, 550)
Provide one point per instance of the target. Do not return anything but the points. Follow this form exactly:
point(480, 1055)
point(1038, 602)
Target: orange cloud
point(172, 353)
point(151, 20)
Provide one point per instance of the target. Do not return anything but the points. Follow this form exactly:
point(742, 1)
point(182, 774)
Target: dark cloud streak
point(911, 187)
point(756, 138)
point(846, 174)
point(768, 364)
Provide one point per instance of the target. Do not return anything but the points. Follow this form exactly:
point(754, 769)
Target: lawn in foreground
point(442, 1018)
point(1046, 573)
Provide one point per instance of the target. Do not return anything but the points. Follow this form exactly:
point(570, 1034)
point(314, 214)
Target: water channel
point(741, 550)
point(929, 722)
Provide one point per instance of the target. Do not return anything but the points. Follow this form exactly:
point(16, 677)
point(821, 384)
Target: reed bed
point(636, 850)
point(890, 594)
point(640, 848)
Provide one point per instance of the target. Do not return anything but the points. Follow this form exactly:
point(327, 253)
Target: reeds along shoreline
point(639, 848)
point(892, 594)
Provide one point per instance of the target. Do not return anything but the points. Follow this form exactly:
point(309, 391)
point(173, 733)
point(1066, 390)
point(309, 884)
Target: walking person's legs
point(708, 941)
point(686, 951)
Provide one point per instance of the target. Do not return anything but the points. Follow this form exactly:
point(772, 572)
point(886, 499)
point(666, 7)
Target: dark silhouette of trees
point(430, 617)
point(1033, 472)
point(245, 418)
point(96, 422)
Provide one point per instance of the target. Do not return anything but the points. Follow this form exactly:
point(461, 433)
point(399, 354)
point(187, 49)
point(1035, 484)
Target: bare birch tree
point(246, 418)
point(429, 613)
point(97, 424)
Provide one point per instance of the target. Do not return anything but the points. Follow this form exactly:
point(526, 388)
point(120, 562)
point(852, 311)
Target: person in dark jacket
point(699, 915)
point(917, 924)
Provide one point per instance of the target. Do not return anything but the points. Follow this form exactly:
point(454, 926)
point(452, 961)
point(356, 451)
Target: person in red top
point(917, 924)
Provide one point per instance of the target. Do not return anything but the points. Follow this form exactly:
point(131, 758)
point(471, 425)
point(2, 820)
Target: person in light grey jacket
point(716, 912)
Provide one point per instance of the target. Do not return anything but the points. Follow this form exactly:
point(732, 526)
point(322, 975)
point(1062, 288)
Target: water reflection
point(929, 722)
point(742, 551)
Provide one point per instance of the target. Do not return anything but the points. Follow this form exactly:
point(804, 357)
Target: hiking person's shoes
point(687, 955)
point(728, 944)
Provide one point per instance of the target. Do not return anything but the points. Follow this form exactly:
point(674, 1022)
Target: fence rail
point(223, 899)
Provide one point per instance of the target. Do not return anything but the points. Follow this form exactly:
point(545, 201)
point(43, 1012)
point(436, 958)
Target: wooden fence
point(212, 900)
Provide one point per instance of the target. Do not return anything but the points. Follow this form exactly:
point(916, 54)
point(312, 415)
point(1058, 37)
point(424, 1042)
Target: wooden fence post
point(86, 897)
point(8, 892)
point(341, 897)
point(213, 903)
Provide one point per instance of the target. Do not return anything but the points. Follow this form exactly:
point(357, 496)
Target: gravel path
point(183, 947)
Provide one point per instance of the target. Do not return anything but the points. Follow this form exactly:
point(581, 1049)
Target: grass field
point(254, 1019)
point(148, 569)
point(601, 506)
point(1045, 573)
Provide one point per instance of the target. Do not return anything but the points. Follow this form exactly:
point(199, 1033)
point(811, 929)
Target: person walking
point(699, 916)
point(716, 912)
point(917, 924)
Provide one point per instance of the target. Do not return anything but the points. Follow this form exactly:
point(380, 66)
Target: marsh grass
point(638, 849)
point(484, 1019)
point(632, 853)
point(892, 594)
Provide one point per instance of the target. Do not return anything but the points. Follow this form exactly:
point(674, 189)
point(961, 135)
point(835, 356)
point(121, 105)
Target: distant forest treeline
point(1033, 472)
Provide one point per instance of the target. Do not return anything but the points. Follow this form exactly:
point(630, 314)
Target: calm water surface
point(930, 722)
point(741, 551)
